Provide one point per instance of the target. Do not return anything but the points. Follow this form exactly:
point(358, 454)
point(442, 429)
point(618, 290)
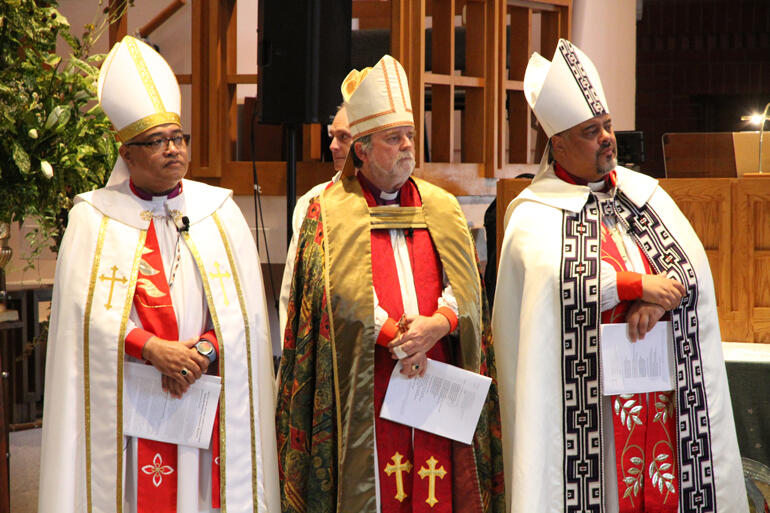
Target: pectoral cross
point(112, 279)
point(399, 468)
point(221, 276)
point(431, 472)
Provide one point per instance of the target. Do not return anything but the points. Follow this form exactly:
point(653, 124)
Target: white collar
point(549, 189)
point(196, 201)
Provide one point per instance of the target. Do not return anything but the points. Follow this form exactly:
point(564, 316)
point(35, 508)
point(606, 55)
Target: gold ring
point(184, 372)
point(415, 366)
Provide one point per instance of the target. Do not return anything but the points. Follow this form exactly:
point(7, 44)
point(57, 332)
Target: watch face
point(204, 347)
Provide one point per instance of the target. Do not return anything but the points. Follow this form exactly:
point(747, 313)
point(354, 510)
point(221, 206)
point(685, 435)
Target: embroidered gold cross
point(221, 276)
point(431, 472)
point(112, 279)
point(399, 468)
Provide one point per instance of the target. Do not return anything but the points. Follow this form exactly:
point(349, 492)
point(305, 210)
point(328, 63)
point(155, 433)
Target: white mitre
point(137, 90)
point(376, 98)
point(564, 92)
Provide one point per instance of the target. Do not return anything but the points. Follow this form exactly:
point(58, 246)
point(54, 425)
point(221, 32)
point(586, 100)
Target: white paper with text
point(149, 412)
point(636, 367)
point(446, 401)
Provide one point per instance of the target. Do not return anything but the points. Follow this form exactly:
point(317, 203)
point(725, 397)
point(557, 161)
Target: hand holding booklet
point(446, 401)
point(636, 367)
point(150, 412)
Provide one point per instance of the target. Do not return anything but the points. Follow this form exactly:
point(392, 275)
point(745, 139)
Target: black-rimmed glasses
point(158, 143)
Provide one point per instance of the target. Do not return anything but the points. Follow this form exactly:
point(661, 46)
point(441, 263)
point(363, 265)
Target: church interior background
point(694, 66)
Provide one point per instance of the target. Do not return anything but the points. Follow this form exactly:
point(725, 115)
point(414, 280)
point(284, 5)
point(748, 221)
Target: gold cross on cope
point(112, 279)
point(221, 276)
point(431, 473)
point(398, 468)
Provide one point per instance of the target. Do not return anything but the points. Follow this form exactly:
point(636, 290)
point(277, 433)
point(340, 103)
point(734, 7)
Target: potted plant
point(55, 141)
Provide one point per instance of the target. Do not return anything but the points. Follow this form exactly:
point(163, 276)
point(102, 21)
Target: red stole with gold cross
point(643, 427)
point(157, 461)
point(414, 467)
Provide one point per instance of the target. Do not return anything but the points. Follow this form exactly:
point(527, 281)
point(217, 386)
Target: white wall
point(606, 31)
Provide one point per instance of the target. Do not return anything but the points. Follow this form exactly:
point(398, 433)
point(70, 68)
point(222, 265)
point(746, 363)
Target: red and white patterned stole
point(157, 461)
point(643, 428)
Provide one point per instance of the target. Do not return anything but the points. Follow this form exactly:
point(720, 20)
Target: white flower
point(46, 168)
point(32, 133)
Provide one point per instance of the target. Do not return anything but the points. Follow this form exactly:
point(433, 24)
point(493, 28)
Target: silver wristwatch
point(206, 348)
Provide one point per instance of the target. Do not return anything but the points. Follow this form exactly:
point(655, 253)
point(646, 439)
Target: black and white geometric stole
point(582, 419)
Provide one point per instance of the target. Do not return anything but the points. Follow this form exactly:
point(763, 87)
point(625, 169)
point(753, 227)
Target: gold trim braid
point(86, 359)
point(247, 334)
point(127, 133)
point(144, 74)
point(387, 218)
point(217, 329)
point(121, 352)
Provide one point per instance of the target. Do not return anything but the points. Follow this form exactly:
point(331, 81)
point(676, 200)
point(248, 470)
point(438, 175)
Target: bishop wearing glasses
point(161, 270)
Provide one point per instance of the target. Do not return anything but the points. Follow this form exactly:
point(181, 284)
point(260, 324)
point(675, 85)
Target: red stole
point(415, 467)
point(643, 427)
point(157, 461)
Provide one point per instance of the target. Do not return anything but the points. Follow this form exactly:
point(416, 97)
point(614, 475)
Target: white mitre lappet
point(376, 98)
point(565, 91)
point(137, 90)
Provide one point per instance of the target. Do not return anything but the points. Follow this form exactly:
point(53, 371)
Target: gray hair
point(366, 145)
point(366, 142)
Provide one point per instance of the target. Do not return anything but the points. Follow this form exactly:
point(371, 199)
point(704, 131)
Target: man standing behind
point(385, 265)
point(589, 243)
point(157, 269)
point(339, 131)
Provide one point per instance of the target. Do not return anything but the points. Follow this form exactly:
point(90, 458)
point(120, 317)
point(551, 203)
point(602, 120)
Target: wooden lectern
point(714, 155)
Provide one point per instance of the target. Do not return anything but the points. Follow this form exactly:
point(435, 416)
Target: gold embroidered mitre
point(377, 98)
point(137, 89)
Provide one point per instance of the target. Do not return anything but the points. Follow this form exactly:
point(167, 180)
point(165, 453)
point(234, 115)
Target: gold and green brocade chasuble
point(325, 412)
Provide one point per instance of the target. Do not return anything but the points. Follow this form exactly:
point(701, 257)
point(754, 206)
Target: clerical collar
point(380, 197)
point(148, 196)
point(609, 180)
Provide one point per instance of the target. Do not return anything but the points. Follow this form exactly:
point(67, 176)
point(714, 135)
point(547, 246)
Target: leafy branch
point(55, 141)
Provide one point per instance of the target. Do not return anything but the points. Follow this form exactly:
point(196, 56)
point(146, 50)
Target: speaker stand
point(291, 177)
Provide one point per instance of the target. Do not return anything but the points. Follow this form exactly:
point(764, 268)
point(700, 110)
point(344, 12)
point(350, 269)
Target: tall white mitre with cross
point(216, 285)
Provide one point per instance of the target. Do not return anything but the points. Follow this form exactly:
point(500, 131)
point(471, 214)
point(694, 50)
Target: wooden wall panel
point(495, 59)
point(728, 215)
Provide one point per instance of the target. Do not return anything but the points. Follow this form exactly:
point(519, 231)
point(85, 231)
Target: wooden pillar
point(119, 27)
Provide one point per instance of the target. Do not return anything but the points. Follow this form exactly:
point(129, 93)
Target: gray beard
point(405, 175)
point(607, 167)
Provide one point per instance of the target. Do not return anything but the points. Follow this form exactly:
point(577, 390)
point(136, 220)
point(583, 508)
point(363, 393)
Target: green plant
point(55, 141)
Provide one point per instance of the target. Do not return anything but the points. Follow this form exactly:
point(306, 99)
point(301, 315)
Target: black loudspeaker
point(304, 54)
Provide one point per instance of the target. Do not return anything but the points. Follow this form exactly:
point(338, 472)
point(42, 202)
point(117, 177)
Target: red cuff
point(629, 285)
point(450, 316)
point(135, 341)
point(388, 332)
